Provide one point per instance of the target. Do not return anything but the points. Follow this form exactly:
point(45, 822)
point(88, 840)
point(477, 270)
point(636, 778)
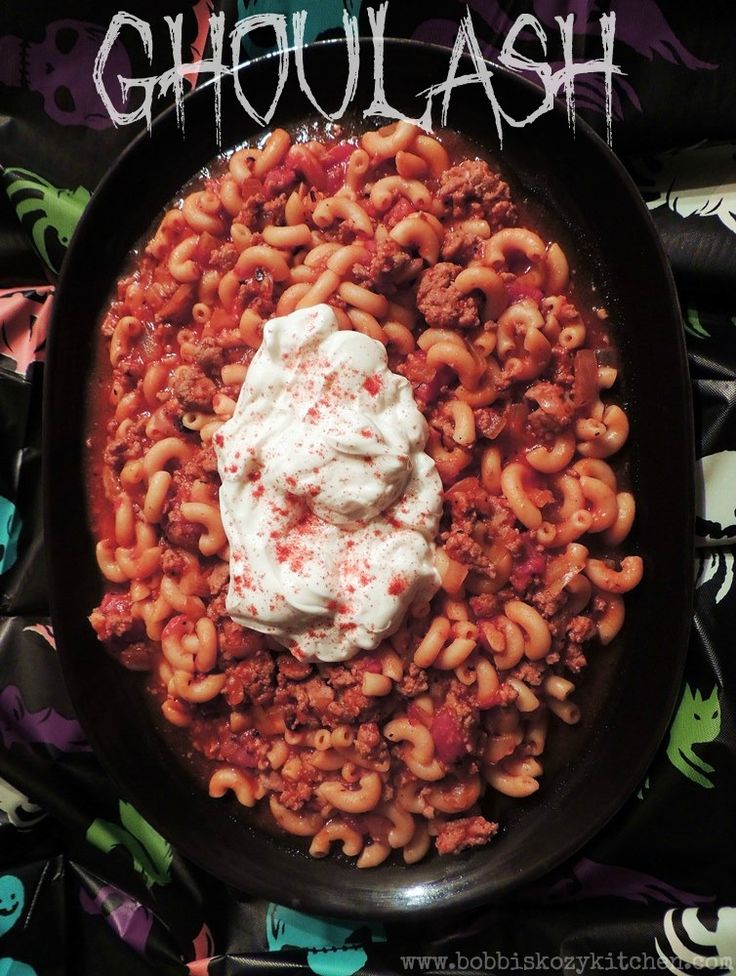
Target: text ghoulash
point(554, 83)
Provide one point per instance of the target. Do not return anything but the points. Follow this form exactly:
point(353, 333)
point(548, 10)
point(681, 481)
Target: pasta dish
point(490, 403)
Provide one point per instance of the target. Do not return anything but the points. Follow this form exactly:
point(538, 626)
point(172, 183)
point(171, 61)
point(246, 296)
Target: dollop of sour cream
point(329, 503)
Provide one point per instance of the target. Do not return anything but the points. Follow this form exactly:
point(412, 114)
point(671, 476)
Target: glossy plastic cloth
point(86, 885)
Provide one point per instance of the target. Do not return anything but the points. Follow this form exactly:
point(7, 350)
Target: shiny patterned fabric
point(86, 885)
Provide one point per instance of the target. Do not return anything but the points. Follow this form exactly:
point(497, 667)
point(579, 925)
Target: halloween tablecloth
point(87, 887)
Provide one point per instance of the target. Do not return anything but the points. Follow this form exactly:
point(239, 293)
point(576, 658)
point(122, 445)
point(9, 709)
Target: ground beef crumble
point(472, 189)
point(192, 388)
point(388, 266)
point(457, 835)
point(250, 680)
point(441, 304)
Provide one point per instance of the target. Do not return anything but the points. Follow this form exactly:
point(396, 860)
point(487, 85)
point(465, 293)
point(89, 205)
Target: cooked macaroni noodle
point(418, 245)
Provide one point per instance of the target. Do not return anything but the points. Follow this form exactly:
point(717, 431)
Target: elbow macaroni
point(397, 749)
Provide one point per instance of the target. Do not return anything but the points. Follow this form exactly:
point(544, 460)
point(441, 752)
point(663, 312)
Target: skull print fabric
point(59, 68)
point(87, 885)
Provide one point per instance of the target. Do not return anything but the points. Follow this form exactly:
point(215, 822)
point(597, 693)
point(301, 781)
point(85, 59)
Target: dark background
point(663, 874)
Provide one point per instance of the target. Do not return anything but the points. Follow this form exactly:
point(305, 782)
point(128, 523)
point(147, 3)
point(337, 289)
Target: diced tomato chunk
point(335, 164)
point(520, 289)
point(278, 179)
point(532, 566)
point(402, 208)
point(448, 737)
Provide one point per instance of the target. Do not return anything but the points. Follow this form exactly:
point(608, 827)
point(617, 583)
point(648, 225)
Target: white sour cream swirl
point(328, 500)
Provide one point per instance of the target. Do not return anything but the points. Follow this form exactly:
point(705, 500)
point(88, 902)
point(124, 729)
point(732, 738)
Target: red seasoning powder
point(330, 504)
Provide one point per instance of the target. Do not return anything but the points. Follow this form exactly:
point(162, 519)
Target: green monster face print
point(335, 945)
point(697, 721)
point(150, 852)
point(50, 213)
point(12, 899)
